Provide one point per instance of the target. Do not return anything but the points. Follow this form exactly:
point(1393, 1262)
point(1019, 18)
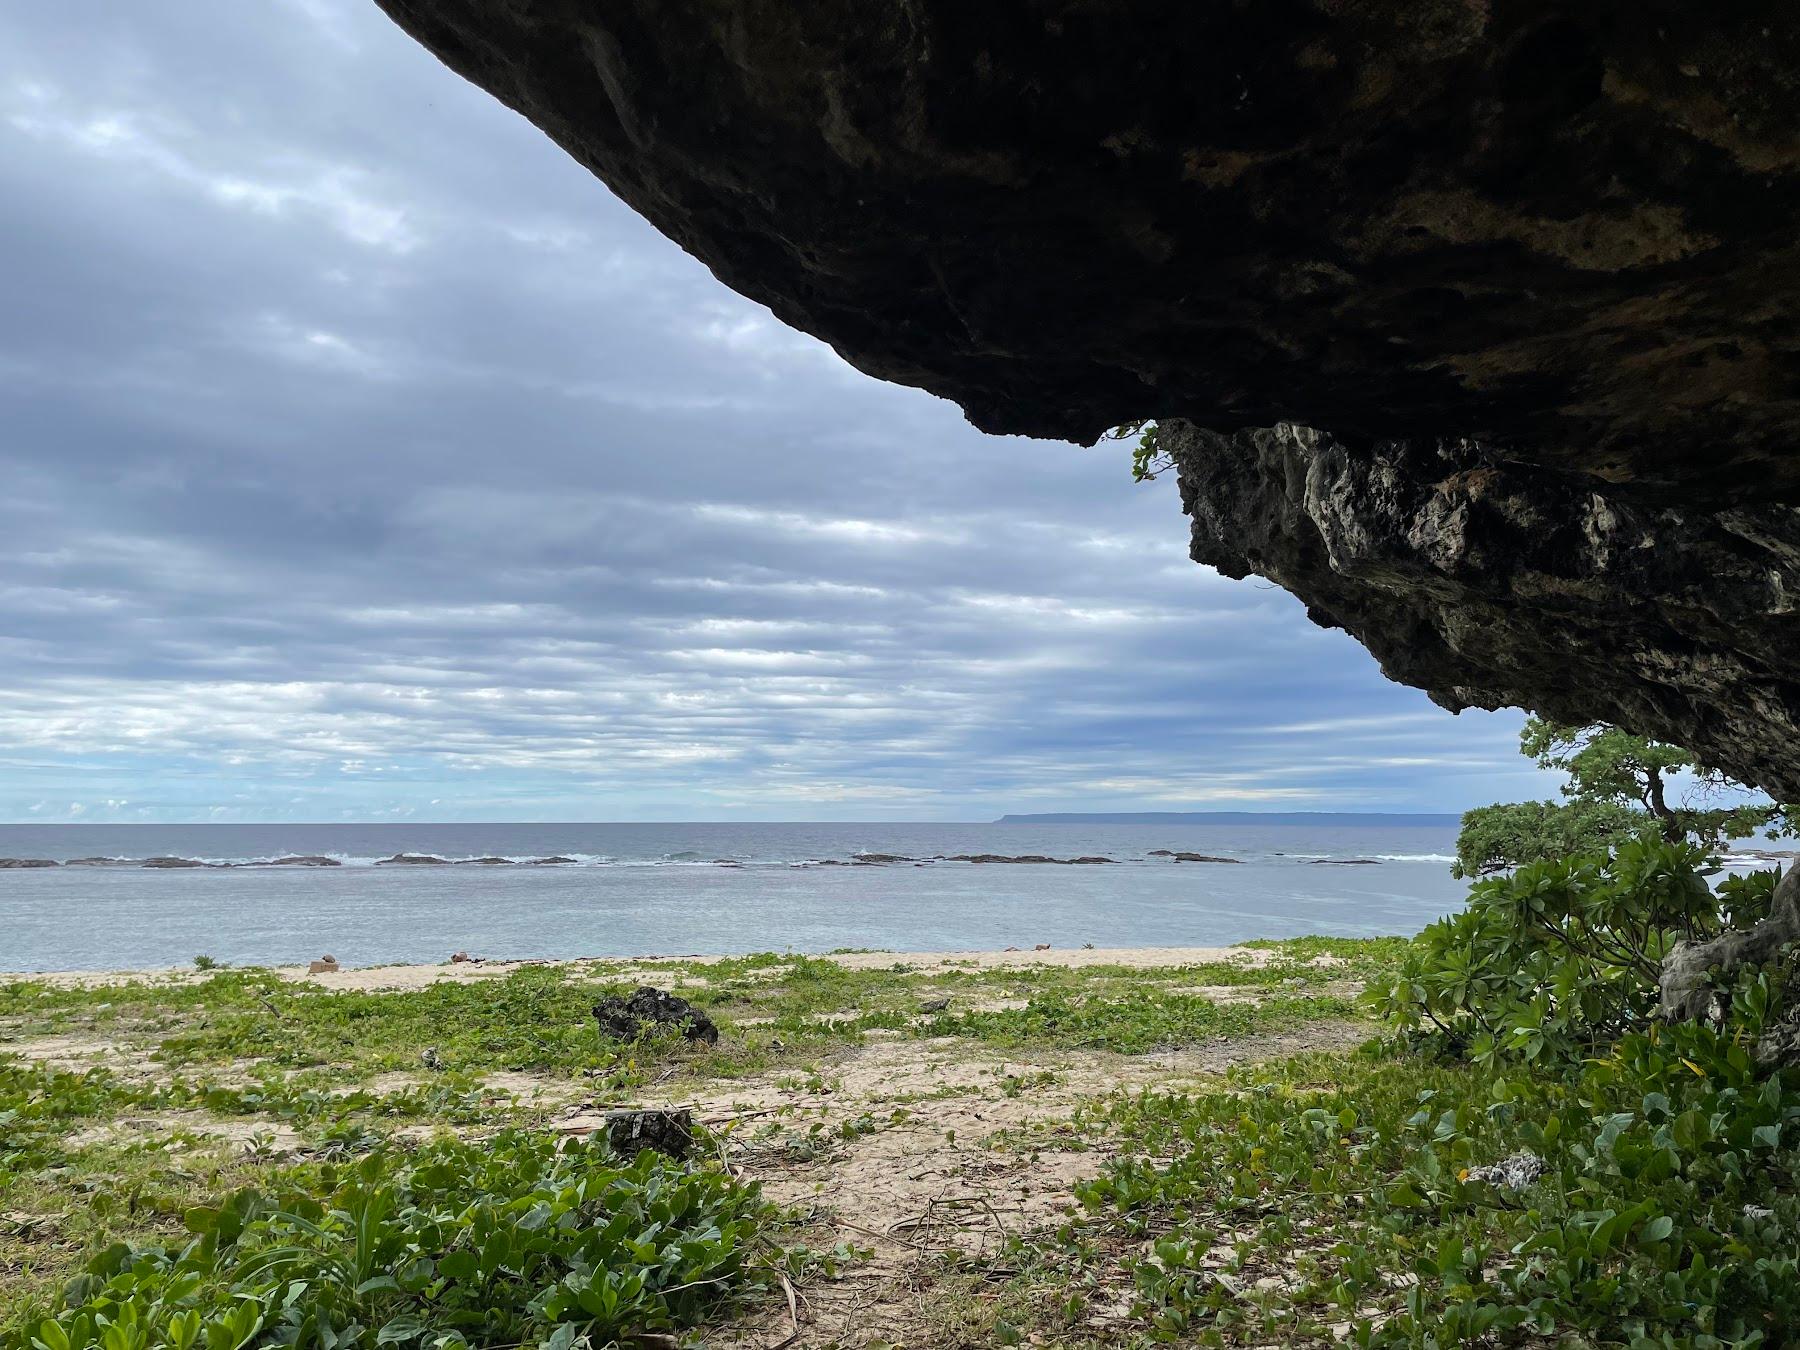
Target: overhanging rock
point(1560, 231)
point(1491, 587)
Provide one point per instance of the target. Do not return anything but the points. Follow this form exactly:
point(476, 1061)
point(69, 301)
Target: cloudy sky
point(365, 458)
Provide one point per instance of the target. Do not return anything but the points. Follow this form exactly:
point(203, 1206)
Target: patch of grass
point(1363, 958)
point(1152, 1020)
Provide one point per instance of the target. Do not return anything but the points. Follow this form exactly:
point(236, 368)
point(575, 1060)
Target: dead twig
point(787, 1287)
point(732, 1117)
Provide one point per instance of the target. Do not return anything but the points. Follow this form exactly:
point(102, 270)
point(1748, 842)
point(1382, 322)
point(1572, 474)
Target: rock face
point(1559, 230)
point(651, 1010)
point(1491, 586)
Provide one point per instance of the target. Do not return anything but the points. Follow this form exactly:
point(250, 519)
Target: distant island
point(1229, 818)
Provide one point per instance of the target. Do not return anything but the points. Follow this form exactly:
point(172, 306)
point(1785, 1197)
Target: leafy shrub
point(1564, 955)
point(1337, 1198)
point(508, 1241)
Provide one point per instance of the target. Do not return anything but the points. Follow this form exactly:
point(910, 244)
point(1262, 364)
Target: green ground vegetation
point(319, 1158)
point(1516, 1153)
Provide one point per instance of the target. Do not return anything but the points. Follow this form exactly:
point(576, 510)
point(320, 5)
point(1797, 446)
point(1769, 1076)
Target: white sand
point(928, 963)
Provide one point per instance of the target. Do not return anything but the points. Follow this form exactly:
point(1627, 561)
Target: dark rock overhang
point(1561, 236)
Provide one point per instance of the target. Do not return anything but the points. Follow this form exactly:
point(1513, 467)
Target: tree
point(1618, 787)
point(1606, 764)
point(1495, 838)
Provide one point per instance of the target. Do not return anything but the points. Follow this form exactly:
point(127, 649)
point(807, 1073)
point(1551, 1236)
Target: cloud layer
point(365, 457)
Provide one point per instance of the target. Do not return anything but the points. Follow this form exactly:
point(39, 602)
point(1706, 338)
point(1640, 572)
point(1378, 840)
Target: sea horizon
point(155, 895)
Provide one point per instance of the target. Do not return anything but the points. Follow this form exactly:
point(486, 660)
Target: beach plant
point(1149, 458)
point(1560, 956)
point(1650, 1201)
point(519, 1238)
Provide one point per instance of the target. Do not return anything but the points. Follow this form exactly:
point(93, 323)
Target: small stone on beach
point(668, 1132)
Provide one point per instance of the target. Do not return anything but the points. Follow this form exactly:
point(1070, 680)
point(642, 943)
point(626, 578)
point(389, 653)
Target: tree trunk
point(1659, 806)
point(1687, 994)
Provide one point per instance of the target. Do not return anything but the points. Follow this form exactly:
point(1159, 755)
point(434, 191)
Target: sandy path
point(924, 963)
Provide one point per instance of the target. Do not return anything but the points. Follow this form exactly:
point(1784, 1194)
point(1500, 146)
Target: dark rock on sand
point(667, 1132)
point(7, 864)
point(648, 1010)
point(413, 860)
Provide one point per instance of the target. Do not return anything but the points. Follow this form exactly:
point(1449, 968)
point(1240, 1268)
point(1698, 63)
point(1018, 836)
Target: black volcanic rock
point(1555, 236)
point(670, 1132)
point(649, 1010)
point(1025, 858)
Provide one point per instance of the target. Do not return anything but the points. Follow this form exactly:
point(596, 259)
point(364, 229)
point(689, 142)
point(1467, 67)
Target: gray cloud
point(366, 457)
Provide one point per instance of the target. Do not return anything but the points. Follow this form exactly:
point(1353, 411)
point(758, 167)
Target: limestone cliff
point(1531, 263)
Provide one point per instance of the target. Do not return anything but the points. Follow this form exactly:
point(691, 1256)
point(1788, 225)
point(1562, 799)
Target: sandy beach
point(418, 976)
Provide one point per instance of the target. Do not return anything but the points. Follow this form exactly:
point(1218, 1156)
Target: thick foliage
point(1561, 956)
point(1494, 838)
point(1618, 785)
point(493, 1244)
point(1342, 1199)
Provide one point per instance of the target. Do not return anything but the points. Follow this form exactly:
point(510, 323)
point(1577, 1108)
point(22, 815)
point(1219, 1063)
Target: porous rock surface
point(1554, 234)
point(1490, 586)
point(647, 1010)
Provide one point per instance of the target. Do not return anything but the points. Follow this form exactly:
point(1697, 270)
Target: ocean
point(675, 889)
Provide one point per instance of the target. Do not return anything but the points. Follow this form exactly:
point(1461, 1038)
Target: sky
point(366, 459)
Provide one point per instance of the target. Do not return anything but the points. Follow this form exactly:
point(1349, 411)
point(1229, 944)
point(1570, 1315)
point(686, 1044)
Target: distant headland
point(1230, 818)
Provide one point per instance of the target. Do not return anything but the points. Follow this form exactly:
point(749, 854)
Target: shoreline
point(418, 975)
